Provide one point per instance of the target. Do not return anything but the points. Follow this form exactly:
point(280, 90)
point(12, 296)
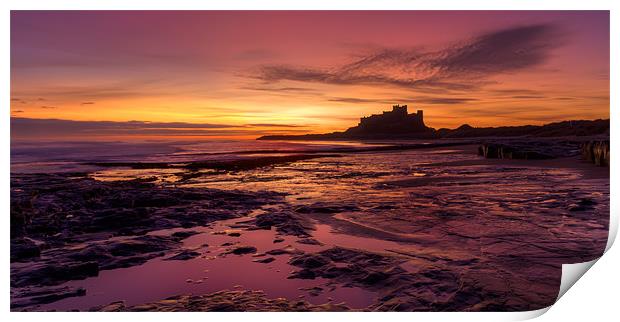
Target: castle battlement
point(398, 118)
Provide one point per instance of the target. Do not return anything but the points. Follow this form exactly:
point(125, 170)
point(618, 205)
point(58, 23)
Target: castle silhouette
point(394, 124)
point(396, 121)
point(398, 124)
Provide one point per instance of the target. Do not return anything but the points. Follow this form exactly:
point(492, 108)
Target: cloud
point(443, 100)
point(420, 99)
point(49, 107)
point(274, 125)
point(279, 89)
point(529, 96)
point(355, 100)
point(502, 51)
point(85, 92)
point(513, 91)
point(463, 66)
point(93, 92)
point(50, 128)
point(276, 73)
point(87, 103)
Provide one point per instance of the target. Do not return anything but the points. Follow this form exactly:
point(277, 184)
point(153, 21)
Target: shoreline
point(433, 238)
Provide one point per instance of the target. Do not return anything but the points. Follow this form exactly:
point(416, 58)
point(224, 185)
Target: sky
point(248, 73)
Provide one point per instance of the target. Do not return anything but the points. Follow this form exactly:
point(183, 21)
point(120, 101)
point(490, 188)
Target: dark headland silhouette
point(399, 124)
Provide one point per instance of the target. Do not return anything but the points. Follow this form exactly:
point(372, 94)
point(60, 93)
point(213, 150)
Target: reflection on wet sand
point(430, 229)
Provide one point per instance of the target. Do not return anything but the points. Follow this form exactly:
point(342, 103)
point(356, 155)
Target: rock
point(265, 260)
point(125, 253)
point(373, 278)
point(289, 250)
point(325, 208)
point(303, 274)
point(234, 234)
point(225, 301)
point(504, 151)
point(72, 205)
point(75, 218)
point(313, 291)
point(184, 255)
point(286, 223)
point(278, 240)
point(139, 245)
point(184, 234)
point(348, 266)
point(309, 241)
point(596, 152)
point(241, 250)
point(28, 297)
point(583, 205)
point(23, 249)
point(310, 261)
point(118, 306)
point(53, 273)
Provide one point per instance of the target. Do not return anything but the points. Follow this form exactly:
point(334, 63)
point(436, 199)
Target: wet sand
point(416, 230)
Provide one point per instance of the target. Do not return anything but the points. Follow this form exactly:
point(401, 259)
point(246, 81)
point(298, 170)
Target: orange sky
point(252, 73)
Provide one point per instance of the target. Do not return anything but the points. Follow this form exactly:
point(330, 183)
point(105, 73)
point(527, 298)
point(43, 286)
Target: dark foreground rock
point(504, 151)
point(68, 226)
point(23, 249)
point(592, 150)
point(184, 255)
point(59, 209)
point(242, 250)
point(224, 301)
point(431, 284)
point(285, 222)
point(33, 297)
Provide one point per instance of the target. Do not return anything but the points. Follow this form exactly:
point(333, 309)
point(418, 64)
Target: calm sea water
point(63, 156)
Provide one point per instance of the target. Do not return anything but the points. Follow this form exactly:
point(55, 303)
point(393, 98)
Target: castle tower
point(421, 116)
point(399, 109)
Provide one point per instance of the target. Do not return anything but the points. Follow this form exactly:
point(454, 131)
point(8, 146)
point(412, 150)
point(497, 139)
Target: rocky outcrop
point(596, 152)
point(69, 227)
point(503, 151)
point(242, 250)
point(285, 222)
point(530, 148)
point(32, 297)
point(24, 249)
point(224, 301)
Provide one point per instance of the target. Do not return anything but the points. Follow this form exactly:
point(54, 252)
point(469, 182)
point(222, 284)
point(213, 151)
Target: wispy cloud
point(420, 99)
point(275, 125)
point(27, 127)
point(294, 90)
point(463, 66)
point(355, 100)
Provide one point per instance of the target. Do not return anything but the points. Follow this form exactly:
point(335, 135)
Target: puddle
point(215, 270)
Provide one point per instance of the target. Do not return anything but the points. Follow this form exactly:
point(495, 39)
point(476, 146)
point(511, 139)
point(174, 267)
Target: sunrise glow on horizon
point(246, 74)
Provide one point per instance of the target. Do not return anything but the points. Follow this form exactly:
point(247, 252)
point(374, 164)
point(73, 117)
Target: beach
point(300, 227)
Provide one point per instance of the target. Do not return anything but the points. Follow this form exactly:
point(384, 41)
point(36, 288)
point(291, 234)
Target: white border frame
point(599, 293)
